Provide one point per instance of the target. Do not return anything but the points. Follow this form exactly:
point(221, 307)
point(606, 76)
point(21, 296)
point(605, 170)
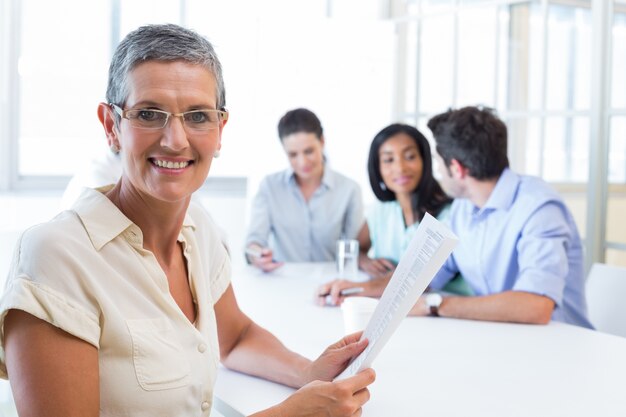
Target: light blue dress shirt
point(301, 231)
point(388, 233)
point(523, 239)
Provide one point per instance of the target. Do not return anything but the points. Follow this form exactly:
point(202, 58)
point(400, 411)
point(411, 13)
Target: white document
point(430, 247)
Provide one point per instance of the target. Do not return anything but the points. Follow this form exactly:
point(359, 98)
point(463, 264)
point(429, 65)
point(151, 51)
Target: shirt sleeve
point(542, 249)
point(43, 302)
point(445, 274)
point(260, 224)
point(221, 280)
point(29, 288)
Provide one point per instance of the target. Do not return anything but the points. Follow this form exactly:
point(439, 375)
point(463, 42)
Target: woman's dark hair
point(428, 196)
point(299, 120)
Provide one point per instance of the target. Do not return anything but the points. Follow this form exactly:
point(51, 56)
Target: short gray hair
point(166, 42)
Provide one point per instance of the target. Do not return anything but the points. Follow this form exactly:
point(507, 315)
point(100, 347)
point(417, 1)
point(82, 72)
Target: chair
point(606, 298)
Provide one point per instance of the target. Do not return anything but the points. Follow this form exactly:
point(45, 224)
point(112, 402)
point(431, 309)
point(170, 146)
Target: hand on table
point(372, 288)
point(262, 258)
point(420, 308)
point(375, 267)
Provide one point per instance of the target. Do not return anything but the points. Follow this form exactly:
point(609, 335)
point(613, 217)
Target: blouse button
point(205, 405)
point(201, 347)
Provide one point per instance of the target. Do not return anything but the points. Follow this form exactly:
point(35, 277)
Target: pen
point(346, 292)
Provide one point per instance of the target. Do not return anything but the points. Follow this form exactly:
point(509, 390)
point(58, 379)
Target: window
point(277, 55)
point(532, 61)
point(526, 61)
point(55, 125)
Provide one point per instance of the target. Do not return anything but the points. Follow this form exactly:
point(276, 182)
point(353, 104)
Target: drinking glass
point(347, 257)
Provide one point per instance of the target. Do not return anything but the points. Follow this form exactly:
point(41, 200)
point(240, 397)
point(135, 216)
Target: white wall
point(341, 69)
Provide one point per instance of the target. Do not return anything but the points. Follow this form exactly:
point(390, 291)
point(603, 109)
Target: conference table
point(434, 366)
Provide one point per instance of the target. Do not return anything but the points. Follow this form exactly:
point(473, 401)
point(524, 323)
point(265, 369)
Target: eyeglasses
point(194, 120)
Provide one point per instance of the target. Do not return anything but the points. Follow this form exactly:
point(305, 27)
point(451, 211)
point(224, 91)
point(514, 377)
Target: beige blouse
point(86, 272)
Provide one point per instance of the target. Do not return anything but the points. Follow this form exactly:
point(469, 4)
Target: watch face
point(433, 299)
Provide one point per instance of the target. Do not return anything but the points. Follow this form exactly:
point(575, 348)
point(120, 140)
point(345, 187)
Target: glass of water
point(347, 257)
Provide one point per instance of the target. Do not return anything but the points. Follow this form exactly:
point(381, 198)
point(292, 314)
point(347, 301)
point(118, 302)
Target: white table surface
point(437, 366)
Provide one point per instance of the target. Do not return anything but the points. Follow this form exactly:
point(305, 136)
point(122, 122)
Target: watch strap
point(434, 311)
point(433, 302)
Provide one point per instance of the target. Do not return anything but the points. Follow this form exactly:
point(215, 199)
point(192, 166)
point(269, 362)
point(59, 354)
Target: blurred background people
point(519, 247)
point(298, 214)
point(400, 172)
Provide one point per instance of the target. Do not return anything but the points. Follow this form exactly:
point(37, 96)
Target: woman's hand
point(262, 258)
point(372, 288)
point(375, 267)
point(336, 358)
point(343, 398)
point(321, 398)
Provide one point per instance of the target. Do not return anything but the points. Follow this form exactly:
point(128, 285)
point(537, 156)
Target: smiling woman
point(115, 306)
point(400, 172)
point(401, 177)
point(166, 158)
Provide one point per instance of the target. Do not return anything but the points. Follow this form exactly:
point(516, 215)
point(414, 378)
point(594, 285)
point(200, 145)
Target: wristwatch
point(433, 301)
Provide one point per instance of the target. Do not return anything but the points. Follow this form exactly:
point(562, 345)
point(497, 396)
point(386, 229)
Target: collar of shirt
point(328, 177)
point(103, 221)
point(503, 194)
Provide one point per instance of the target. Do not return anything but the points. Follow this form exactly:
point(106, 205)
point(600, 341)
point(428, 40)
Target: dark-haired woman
point(401, 177)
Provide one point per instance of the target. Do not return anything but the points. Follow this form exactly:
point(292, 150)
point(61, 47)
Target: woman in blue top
point(400, 173)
